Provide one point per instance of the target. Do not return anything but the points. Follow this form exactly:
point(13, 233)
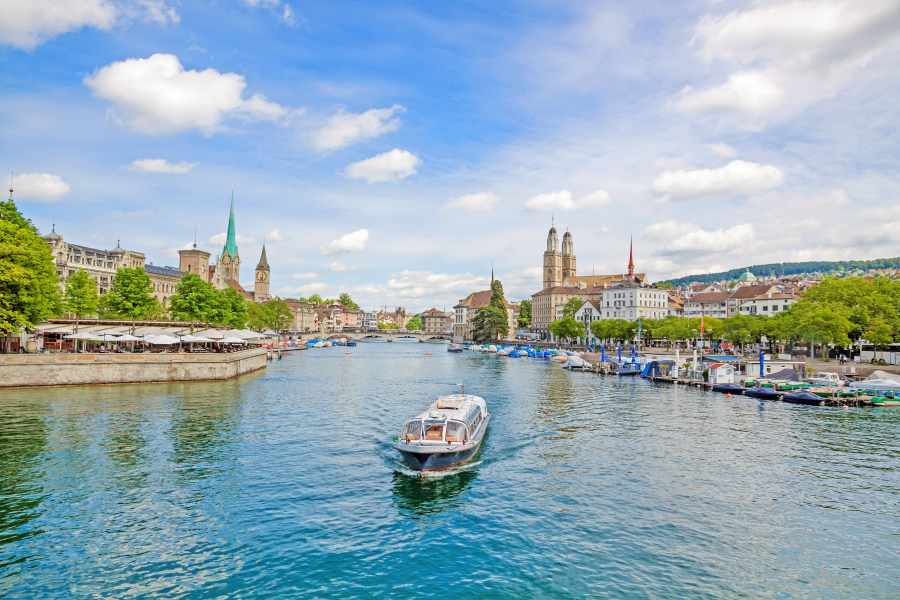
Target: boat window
point(412, 431)
point(477, 420)
point(434, 431)
point(456, 432)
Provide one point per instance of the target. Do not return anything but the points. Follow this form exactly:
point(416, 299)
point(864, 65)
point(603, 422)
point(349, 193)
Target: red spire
point(631, 258)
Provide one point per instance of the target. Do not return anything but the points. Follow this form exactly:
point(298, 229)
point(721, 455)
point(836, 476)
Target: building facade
point(102, 265)
point(769, 304)
point(707, 304)
point(466, 309)
point(632, 301)
point(436, 321)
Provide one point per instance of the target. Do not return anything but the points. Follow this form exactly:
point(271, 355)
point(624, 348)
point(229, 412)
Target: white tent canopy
point(161, 340)
point(195, 339)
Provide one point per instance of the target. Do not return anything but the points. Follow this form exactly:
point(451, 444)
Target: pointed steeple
point(263, 260)
point(631, 257)
point(231, 239)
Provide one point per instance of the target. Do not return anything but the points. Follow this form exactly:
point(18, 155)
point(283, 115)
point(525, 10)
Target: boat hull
point(728, 388)
point(436, 458)
point(803, 397)
point(762, 393)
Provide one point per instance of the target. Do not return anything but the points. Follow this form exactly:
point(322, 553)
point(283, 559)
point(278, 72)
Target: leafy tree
point(524, 313)
point(567, 328)
point(878, 334)
point(497, 297)
point(415, 323)
point(490, 323)
point(385, 326)
point(820, 323)
point(346, 301)
point(196, 300)
point(235, 308)
point(274, 314)
point(29, 288)
point(81, 295)
point(571, 307)
point(315, 299)
point(131, 296)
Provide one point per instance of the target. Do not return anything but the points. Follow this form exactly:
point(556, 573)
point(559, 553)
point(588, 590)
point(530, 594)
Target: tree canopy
point(524, 313)
point(571, 307)
point(29, 288)
point(131, 296)
point(347, 302)
point(81, 299)
point(567, 328)
point(274, 314)
point(490, 322)
point(415, 323)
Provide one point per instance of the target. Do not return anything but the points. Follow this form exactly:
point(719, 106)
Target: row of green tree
point(837, 311)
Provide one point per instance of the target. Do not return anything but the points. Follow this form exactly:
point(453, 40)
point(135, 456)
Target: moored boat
point(454, 348)
point(803, 397)
point(763, 393)
point(447, 434)
point(728, 388)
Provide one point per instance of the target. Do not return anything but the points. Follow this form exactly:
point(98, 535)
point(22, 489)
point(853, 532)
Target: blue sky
point(397, 150)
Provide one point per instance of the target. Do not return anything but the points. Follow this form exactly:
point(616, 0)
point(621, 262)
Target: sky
point(400, 150)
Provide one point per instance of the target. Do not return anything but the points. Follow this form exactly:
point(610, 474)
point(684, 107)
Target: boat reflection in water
point(430, 495)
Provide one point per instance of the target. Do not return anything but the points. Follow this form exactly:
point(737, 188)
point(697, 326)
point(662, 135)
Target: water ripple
point(286, 484)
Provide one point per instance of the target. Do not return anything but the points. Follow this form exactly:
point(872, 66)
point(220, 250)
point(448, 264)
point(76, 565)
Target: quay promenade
point(56, 369)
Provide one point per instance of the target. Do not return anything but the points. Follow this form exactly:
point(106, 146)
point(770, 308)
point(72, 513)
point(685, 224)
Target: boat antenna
point(462, 388)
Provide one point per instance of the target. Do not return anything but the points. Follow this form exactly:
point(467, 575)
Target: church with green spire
point(227, 270)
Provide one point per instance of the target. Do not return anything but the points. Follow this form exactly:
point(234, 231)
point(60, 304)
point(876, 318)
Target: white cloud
point(419, 284)
point(389, 166)
point(478, 202)
point(354, 241)
point(306, 275)
point(219, 239)
point(158, 11)
point(274, 235)
point(27, 24)
point(346, 128)
point(286, 11)
point(160, 165)
point(560, 200)
point(723, 150)
point(40, 186)
point(595, 199)
point(563, 200)
point(685, 238)
point(337, 266)
point(156, 95)
point(307, 289)
point(737, 177)
point(791, 53)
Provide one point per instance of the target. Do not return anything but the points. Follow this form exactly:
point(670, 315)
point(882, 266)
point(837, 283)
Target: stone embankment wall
point(21, 370)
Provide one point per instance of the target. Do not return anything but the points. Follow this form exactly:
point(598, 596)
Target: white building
point(707, 304)
point(768, 304)
point(633, 301)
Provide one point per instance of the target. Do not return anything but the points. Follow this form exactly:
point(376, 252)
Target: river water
point(284, 484)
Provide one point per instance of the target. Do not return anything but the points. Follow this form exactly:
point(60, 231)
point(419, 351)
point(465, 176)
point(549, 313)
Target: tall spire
point(631, 257)
point(263, 260)
point(10, 186)
point(231, 239)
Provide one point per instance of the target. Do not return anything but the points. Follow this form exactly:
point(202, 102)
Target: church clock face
point(261, 276)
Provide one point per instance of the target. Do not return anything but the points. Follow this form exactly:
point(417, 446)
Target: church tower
point(261, 286)
point(568, 259)
point(552, 261)
point(229, 266)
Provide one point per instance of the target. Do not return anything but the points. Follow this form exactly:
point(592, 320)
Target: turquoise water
point(284, 484)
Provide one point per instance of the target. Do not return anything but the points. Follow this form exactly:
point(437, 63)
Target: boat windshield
point(456, 432)
point(434, 431)
point(412, 431)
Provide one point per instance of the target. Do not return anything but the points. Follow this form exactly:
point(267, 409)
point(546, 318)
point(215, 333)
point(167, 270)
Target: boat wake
point(436, 474)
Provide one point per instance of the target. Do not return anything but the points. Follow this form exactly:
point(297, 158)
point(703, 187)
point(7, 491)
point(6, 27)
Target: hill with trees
point(837, 267)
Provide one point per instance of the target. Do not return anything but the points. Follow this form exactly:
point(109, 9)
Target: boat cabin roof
point(454, 406)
